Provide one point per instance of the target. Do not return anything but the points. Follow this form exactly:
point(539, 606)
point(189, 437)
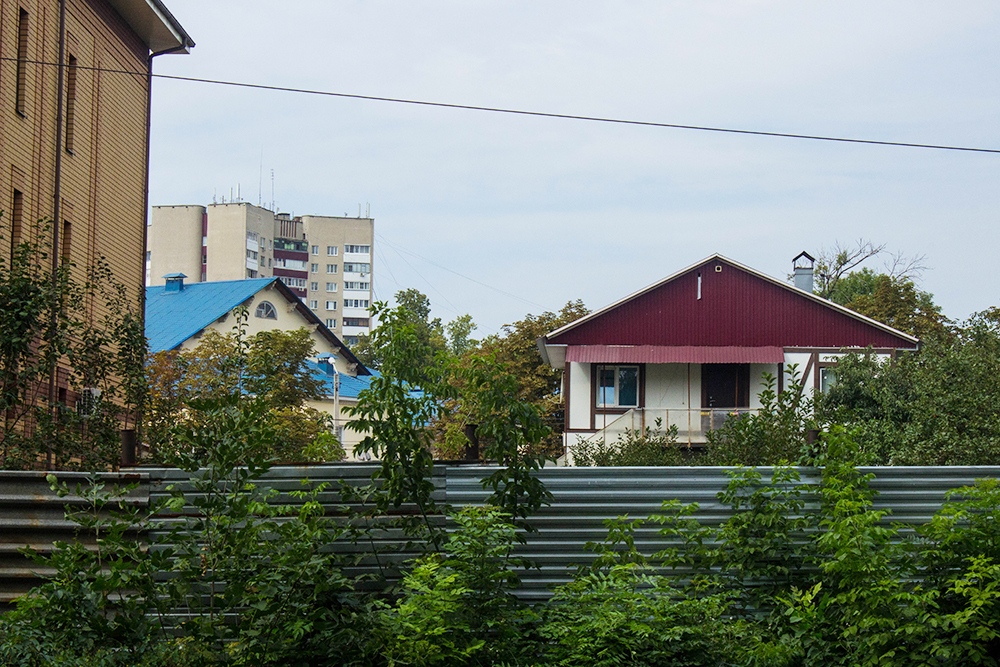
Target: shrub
point(457, 608)
point(635, 447)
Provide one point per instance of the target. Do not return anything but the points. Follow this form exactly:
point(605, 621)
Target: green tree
point(414, 310)
point(270, 365)
point(940, 406)
point(52, 326)
point(898, 303)
point(459, 331)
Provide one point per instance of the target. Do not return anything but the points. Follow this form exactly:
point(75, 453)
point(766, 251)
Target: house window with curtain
point(617, 386)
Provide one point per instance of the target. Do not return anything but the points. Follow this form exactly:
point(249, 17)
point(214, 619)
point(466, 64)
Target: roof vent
point(802, 269)
point(326, 363)
point(175, 282)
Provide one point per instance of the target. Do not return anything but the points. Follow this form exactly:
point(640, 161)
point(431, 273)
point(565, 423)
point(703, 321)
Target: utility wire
point(460, 275)
point(521, 112)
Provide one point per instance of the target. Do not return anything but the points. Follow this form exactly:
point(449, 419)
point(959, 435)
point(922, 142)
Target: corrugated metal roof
point(350, 386)
point(173, 317)
point(719, 302)
point(681, 354)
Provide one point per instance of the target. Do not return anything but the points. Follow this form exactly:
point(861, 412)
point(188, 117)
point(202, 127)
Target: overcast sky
point(498, 215)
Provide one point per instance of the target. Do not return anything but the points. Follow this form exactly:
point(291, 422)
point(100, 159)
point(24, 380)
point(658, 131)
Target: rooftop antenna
point(239, 197)
point(368, 209)
point(260, 176)
point(214, 196)
point(272, 191)
point(359, 209)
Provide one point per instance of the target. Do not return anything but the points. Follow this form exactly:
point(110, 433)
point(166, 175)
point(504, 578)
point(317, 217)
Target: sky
point(499, 215)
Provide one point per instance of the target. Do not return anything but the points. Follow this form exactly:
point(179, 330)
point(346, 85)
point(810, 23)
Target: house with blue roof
point(179, 314)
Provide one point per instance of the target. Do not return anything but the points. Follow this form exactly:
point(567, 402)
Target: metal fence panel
point(584, 498)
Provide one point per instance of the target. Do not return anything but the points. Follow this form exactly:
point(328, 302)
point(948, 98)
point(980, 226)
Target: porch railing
point(692, 425)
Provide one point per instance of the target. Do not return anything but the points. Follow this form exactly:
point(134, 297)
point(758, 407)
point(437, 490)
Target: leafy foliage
point(775, 434)
point(270, 366)
point(940, 406)
point(456, 607)
point(647, 447)
point(54, 325)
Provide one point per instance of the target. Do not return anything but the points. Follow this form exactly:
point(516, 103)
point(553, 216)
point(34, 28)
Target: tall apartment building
point(74, 130)
point(327, 261)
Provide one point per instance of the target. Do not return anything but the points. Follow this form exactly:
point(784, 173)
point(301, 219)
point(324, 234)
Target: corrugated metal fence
point(31, 514)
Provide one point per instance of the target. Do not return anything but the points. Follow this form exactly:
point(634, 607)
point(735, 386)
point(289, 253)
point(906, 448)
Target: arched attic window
point(266, 311)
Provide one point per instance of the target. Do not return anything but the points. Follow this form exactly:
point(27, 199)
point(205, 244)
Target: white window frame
point(332, 251)
point(616, 403)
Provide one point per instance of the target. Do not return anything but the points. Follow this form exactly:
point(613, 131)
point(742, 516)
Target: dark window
point(355, 321)
point(16, 217)
point(22, 57)
point(70, 102)
point(67, 240)
point(725, 385)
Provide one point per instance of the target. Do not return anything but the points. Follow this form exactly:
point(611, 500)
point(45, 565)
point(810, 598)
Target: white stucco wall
point(580, 395)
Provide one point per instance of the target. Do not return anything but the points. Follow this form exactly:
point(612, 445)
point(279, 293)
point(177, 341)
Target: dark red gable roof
point(738, 307)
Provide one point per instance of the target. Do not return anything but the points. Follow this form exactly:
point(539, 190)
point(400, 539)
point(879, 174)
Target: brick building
point(74, 126)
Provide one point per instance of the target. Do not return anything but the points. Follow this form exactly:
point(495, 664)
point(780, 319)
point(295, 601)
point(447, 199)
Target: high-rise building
point(325, 260)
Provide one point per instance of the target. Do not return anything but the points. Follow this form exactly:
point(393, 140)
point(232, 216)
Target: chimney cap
point(802, 254)
point(175, 282)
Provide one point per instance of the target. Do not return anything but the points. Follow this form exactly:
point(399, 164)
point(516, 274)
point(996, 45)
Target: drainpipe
point(57, 207)
point(145, 203)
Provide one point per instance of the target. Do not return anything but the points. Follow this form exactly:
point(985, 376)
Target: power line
point(522, 112)
point(460, 275)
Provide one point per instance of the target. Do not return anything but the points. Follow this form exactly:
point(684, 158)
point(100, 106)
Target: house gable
point(718, 302)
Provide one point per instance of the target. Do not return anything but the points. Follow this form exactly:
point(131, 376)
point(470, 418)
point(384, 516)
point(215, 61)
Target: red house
point(693, 349)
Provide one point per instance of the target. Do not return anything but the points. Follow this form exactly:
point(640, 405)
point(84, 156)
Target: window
point(314, 287)
point(22, 57)
point(314, 304)
point(331, 324)
point(67, 240)
point(617, 386)
point(357, 267)
point(70, 102)
point(266, 311)
point(332, 268)
point(332, 250)
point(17, 211)
point(362, 249)
point(314, 268)
point(355, 321)
point(251, 273)
point(357, 285)
point(355, 303)
point(204, 259)
point(350, 340)
point(331, 305)
point(293, 282)
point(827, 379)
point(331, 287)
point(252, 236)
point(251, 254)
point(149, 255)
point(315, 250)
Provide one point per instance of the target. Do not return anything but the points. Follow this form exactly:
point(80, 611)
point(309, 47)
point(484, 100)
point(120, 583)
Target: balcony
point(692, 425)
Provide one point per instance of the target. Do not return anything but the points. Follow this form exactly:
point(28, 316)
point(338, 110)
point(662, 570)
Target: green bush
point(457, 607)
point(635, 447)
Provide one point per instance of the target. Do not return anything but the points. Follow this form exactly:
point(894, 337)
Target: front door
point(725, 385)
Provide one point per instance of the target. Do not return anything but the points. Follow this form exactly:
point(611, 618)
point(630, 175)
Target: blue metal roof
point(173, 317)
point(350, 387)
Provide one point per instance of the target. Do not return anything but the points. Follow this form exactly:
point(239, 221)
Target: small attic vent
point(718, 268)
